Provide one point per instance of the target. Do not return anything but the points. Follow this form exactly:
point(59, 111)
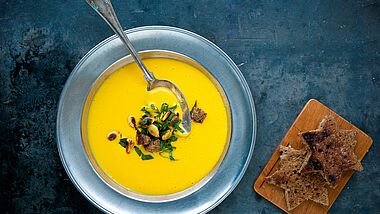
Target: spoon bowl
point(186, 118)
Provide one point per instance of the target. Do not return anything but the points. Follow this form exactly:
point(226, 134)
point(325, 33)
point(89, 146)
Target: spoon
point(105, 10)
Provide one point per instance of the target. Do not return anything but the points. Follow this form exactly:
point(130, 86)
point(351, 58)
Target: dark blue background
point(289, 52)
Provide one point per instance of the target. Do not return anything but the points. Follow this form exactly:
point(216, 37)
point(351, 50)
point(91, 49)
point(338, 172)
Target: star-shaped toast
point(298, 187)
point(332, 151)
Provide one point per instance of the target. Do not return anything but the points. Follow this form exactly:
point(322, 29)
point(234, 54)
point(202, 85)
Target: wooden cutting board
point(308, 119)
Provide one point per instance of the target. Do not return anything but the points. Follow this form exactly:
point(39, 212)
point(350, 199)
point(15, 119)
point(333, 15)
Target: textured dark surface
point(289, 52)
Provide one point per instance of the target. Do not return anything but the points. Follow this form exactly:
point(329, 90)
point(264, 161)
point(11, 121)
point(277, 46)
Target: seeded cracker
point(298, 187)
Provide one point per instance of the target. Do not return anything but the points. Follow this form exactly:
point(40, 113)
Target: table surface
point(289, 52)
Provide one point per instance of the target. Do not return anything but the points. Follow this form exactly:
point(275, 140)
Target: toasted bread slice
point(298, 187)
point(332, 151)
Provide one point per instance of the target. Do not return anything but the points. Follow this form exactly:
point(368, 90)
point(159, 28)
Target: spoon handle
point(105, 10)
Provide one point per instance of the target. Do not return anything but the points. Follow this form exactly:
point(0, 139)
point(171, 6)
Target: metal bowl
point(100, 62)
point(107, 179)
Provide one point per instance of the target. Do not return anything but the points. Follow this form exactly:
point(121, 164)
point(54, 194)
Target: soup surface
point(123, 94)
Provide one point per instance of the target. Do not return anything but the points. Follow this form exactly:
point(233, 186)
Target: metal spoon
point(105, 10)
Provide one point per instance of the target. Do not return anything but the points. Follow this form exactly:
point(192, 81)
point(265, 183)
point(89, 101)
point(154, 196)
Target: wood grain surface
point(308, 119)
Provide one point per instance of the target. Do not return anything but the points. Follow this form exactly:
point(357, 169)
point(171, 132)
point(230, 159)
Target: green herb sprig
point(123, 142)
point(142, 155)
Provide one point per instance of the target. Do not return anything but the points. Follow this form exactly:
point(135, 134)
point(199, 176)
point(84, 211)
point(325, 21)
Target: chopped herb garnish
point(171, 156)
point(146, 111)
point(163, 127)
point(144, 131)
point(168, 155)
point(142, 155)
point(173, 108)
point(154, 108)
point(164, 108)
point(177, 127)
point(123, 142)
point(146, 157)
point(145, 121)
point(138, 151)
point(172, 139)
point(155, 131)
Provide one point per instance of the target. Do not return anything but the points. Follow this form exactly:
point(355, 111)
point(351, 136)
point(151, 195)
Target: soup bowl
point(149, 54)
point(155, 42)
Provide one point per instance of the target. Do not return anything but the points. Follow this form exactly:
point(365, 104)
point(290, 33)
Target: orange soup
point(123, 94)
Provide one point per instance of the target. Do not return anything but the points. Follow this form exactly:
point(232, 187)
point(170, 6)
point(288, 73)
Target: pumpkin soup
point(123, 94)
